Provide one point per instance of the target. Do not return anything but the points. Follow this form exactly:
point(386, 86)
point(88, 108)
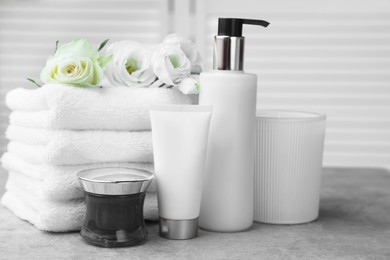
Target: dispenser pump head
point(233, 26)
point(229, 43)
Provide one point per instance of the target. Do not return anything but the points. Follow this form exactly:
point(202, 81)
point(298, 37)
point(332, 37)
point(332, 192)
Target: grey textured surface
point(354, 223)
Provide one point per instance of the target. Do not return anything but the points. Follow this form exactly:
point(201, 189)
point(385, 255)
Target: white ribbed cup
point(288, 165)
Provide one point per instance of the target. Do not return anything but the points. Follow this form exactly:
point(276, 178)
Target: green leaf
point(197, 86)
point(33, 81)
point(103, 44)
point(55, 50)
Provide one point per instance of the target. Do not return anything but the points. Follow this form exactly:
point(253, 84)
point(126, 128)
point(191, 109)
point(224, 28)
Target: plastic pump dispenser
point(229, 43)
point(227, 202)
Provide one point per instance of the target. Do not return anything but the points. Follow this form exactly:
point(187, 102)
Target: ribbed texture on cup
point(288, 168)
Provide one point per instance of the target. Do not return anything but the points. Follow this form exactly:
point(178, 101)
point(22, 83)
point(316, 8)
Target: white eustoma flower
point(170, 64)
point(130, 65)
point(76, 63)
point(189, 49)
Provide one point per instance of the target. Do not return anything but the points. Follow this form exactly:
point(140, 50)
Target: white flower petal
point(165, 70)
point(189, 86)
point(189, 49)
point(124, 54)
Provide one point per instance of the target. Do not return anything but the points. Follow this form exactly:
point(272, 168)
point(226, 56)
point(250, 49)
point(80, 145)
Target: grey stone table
point(354, 223)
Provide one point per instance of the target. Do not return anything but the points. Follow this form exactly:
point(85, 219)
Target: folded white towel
point(61, 182)
point(57, 216)
point(69, 147)
point(31, 185)
point(67, 107)
point(45, 215)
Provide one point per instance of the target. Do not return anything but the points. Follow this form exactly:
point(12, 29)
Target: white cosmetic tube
point(180, 134)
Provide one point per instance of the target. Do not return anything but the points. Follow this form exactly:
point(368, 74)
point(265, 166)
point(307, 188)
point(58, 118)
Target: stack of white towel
point(56, 131)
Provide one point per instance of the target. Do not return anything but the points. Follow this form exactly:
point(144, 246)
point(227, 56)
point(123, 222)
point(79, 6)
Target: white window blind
point(326, 56)
point(29, 30)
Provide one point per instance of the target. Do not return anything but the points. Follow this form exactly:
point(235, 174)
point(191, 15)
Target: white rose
point(189, 85)
point(77, 63)
point(130, 65)
point(189, 49)
point(170, 64)
point(72, 70)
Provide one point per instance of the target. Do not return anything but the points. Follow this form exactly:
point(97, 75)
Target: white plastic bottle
point(227, 202)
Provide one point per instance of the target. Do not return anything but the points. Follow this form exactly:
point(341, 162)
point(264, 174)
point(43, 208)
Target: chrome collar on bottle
point(228, 53)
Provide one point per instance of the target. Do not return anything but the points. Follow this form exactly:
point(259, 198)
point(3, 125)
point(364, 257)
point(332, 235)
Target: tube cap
point(178, 229)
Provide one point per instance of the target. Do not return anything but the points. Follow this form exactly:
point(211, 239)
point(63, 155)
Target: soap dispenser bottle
point(227, 201)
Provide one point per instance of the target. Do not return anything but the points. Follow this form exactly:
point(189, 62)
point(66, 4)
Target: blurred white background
point(326, 56)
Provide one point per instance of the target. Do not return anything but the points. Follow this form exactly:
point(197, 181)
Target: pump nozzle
point(229, 43)
point(233, 26)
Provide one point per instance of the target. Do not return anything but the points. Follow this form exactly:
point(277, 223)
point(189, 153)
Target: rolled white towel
point(67, 107)
point(70, 147)
point(59, 182)
point(57, 216)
